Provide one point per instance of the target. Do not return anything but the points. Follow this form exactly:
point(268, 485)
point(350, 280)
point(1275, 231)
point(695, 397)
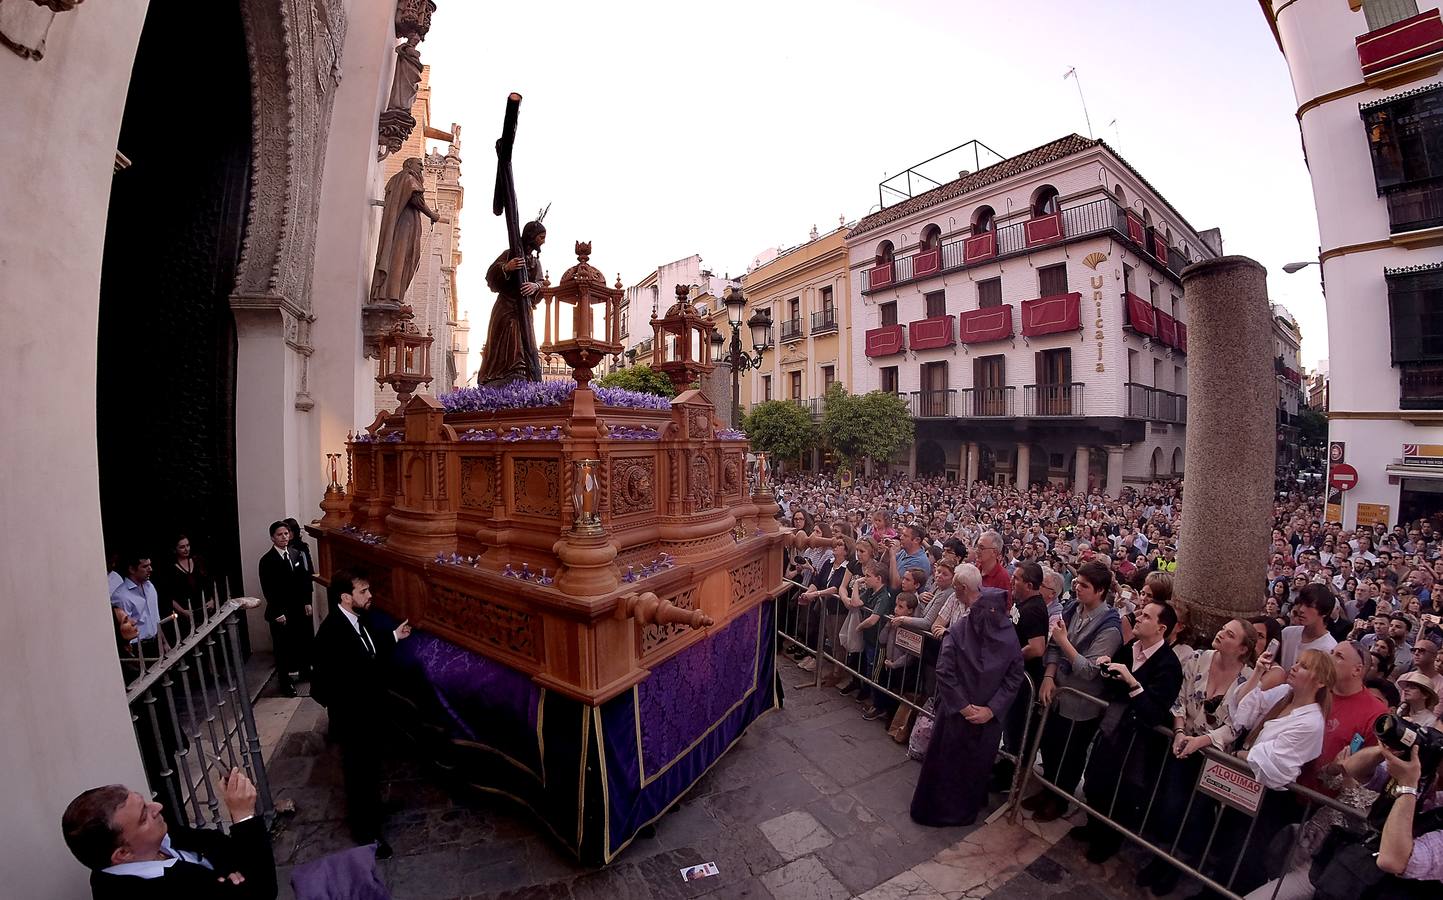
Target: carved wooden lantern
point(682, 337)
point(581, 288)
point(405, 357)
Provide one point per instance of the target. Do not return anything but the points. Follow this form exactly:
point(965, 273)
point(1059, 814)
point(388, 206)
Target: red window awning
point(929, 334)
point(1043, 229)
point(1166, 328)
point(1135, 229)
point(886, 340)
point(982, 325)
point(979, 247)
point(1141, 315)
point(881, 276)
point(1402, 42)
point(1050, 315)
point(1182, 337)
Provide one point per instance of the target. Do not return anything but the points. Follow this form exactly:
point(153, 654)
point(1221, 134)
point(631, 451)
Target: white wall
point(66, 724)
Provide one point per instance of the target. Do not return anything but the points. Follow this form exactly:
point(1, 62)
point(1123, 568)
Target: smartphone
point(1356, 743)
point(1272, 650)
point(1052, 622)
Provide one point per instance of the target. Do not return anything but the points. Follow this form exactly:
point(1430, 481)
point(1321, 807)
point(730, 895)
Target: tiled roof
point(1023, 162)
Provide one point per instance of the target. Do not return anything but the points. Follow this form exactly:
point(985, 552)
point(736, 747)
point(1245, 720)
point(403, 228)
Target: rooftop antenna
point(1116, 134)
point(1072, 73)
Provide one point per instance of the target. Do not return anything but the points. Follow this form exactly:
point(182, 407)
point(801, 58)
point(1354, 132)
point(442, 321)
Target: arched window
point(984, 220)
point(1169, 237)
point(931, 238)
point(1044, 202)
point(1147, 218)
point(1120, 194)
point(884, 253)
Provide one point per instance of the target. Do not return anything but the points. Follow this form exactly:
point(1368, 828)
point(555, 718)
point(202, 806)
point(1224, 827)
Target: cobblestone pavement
point(810, 805)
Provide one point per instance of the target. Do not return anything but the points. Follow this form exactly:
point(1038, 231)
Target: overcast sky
point(658, 130)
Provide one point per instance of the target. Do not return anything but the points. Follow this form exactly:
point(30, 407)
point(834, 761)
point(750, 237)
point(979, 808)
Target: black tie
point(366, 639)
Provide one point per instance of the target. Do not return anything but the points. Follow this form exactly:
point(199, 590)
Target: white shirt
point(155, 868)
point(1293, 645)
point(356, 624)
point(1286, 743)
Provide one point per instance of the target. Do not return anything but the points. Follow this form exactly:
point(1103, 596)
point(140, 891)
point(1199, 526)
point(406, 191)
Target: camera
point(1109, 672)
point(1399, 735)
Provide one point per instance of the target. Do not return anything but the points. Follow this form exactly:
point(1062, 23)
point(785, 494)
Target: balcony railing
point(824, 320)
point(1086, 220)
point(1415, 207)
point(816, 406)
point(1400, 49)
point(1155, 404)
point(1053, 399)
point(934, 404)
point(989, 402)
point(1421, 387)
point(791, 329)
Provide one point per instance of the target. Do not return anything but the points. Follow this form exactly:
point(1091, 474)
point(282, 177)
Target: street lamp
point(1292, 267)
point(731, 354)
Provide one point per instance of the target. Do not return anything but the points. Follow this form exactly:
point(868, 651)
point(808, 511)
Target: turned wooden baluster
point(648, 609)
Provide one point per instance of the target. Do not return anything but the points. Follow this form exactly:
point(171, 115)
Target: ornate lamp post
point(731, 354)
point(405, 362)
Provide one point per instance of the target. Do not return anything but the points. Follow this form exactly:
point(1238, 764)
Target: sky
point(659, 130)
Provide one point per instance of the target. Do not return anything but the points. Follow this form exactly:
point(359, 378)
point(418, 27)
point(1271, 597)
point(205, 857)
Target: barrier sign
point(909, 641)
point(1235, 787)
point(1343, 477)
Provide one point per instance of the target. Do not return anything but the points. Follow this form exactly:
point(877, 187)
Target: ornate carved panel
point(481, 620)
point(700, 482)
point(731, 476)
point(536, 486)
point(390, 474)
point(653, 636)
point(478, 483)
point(747, 579)
point(698, 425)
point(633, 485)
point(414, 17)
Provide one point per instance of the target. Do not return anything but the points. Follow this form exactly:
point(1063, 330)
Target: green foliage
point(783, 430)
point(639, 378)
point(870, 426)
point(1312, 428)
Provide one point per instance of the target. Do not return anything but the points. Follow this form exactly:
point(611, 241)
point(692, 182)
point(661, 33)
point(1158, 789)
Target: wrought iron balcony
point(824, 321)
point(791, 330)
point(1415, 207)
point(816, 406)
point(1053, 399)
point(1421, 386)
point(934, 404)
point(1155, 404)
point(990, 402)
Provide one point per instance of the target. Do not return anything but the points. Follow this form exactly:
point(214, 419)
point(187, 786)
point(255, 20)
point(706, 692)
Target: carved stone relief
point(731, 476)
point(25, 24)
point(535, 486)
point(700, 483)
point(478, 486)
point(633, 485)
point(481, 620)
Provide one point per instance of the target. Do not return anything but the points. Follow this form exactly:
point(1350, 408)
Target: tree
point(1312, 428)
point(867, 426)
point(783, 430)
point(639, 378)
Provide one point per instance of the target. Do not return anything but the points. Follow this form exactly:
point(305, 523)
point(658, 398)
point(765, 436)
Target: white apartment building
point(1370, 109)
point(1288, 370)
point(651, 296)
point(1032, 314)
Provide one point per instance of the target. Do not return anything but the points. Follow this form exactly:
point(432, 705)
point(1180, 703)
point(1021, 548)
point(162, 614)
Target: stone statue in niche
point(398, 254)
point(407, 80)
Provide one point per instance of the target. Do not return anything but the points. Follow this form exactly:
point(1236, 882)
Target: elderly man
point(123, 839)
point(989, 561)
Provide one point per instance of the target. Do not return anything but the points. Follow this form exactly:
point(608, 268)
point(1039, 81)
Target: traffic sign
point(1343, 477)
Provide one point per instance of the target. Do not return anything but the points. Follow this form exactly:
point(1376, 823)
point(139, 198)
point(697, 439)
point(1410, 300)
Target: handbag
point(922, 731)
point(1345, 868)
point(851, 635)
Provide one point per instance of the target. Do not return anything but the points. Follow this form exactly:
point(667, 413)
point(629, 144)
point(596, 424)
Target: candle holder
point(586, 496)
point(333, 472)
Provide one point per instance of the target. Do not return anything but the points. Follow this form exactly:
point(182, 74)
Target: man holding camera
point(1416, 857)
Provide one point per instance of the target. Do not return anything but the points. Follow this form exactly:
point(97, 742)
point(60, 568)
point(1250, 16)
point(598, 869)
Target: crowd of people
point(1135, 694)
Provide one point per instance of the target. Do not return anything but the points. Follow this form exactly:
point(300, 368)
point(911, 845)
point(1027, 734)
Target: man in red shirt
point(989, 561)
point(1353, 712)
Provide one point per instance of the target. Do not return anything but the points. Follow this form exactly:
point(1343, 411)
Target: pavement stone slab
point(795, 834)
point(804, 879)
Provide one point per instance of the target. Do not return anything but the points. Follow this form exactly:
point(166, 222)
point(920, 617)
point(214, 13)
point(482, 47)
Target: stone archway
point(1177, 461)
point(1156, 468)
point(931, 458)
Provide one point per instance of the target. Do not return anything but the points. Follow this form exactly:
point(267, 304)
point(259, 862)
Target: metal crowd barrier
point(1223, 788)
point(812, 632)
point(192, 715)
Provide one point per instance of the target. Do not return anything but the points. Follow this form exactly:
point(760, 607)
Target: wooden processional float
point(592, 585)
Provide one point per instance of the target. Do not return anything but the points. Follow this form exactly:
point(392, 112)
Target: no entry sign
point(1343, 476)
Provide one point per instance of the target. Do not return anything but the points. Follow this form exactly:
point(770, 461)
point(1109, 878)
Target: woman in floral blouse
point(1203, 711)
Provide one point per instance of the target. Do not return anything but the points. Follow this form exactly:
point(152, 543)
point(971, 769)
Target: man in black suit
point(131, 853)
point(1141, 684)
point(351, 656)
point(286, 583)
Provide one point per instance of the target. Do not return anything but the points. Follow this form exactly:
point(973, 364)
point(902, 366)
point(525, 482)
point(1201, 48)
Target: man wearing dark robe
point(506, 357)
point(979, 672)
point(398, 253)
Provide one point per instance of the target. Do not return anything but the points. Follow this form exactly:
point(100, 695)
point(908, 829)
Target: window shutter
point(1066, 361)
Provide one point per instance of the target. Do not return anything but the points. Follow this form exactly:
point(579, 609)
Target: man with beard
point(509, 354)
point(351, 654)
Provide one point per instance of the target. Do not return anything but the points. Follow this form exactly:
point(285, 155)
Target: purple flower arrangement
point(624, 433)
point(731, 434)
point(393, 437)
point(455, 559)
point(364, 437)
point(527, 433)
point(661, 563)
point(364, 537)
point(525, 574)
point(534, 394)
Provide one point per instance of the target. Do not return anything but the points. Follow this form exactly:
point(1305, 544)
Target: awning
point(1405, 471)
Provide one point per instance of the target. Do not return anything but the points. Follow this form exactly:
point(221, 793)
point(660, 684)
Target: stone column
point(1230, 437)
point(973, 459)
point(1114, 471)
point(1023, 469)
point(912, 459)
point(1084, 460)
